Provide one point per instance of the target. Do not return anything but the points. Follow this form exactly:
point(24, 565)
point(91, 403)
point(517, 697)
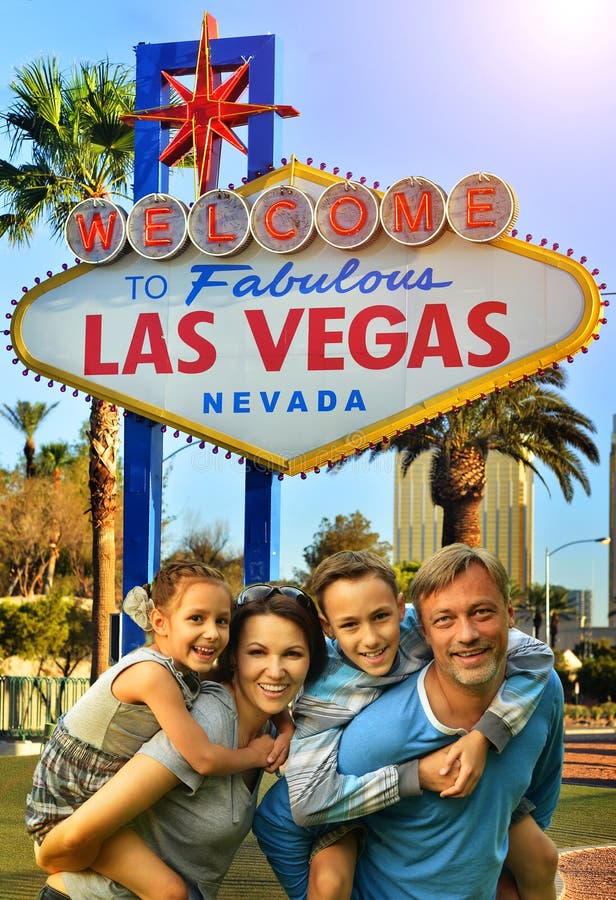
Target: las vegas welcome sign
point(304, 317)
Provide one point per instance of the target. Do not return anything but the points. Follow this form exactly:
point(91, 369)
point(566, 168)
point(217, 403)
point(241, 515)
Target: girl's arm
point(153, 685)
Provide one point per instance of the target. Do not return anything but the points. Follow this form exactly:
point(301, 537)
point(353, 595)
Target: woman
point(275, 644)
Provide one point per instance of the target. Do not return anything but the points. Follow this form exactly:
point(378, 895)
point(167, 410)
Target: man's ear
point(327, 628)
point(401, 604)
point(510, 615)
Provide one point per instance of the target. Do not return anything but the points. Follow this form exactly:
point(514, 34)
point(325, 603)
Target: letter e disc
point(157, 226)
point(481, 207)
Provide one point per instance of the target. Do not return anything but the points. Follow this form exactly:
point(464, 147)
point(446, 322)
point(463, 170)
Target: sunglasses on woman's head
point(263, 591)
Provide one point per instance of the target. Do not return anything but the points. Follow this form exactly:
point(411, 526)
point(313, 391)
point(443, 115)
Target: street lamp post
point(548, 554)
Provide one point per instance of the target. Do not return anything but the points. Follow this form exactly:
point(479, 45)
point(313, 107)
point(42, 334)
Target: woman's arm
point(75, 842)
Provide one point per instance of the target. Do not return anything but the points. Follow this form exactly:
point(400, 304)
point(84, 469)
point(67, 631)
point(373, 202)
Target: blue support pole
point(261, 526)
point(143, 444)
point(142, 514)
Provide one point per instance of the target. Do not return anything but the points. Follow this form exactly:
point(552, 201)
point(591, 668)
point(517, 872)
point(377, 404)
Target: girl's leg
point(533, 860)
point(73, 844)
point(125, 858)
point(332, 870)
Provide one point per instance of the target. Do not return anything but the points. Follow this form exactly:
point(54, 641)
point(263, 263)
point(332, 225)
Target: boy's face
point(364, 616)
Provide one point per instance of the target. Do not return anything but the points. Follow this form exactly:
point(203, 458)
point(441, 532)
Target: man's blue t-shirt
point(428, 847)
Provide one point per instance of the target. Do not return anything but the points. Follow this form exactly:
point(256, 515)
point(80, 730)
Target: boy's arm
point(529, 663)
point(319, 794)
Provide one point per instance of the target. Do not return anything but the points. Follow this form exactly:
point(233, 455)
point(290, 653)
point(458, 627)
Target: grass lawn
point(585, 817)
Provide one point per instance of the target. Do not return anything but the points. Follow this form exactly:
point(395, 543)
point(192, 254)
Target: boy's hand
point(430, 770)
point(470, 752)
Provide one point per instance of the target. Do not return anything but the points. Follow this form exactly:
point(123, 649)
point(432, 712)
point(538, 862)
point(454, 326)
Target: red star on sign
point(208, 114)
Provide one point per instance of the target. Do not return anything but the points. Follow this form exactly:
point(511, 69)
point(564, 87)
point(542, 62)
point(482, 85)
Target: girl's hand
point(470, 752)
point(261, 748)
point(280, 752)
point(286, 729)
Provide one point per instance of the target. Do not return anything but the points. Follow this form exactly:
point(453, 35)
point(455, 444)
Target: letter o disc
point(347, 215)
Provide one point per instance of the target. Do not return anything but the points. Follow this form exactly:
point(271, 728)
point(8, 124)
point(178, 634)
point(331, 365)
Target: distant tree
point(597, 649)
point(26, 417)
point(54, 631)
point(352, 532)
point(52, 458)
point(38, 522)
point(210, 544)
point(405, 572)
point(598, 678)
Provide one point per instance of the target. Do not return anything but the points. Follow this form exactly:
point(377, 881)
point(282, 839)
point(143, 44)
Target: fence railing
point(30, 703)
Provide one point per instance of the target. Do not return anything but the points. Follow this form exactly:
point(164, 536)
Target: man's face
point(364, 615)
point(467, 625)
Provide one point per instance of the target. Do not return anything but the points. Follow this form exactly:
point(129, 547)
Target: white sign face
point(296, 359)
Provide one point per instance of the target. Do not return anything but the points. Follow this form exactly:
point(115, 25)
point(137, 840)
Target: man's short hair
point(351, 564)
point(447, 563)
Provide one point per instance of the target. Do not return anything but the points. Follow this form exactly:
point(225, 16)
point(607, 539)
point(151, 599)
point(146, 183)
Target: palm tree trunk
point(103, 435)
point(29, 451)
point(461, 522)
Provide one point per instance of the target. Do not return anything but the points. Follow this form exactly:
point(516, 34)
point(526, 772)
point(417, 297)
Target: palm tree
point(26, 417)
point(530, 606)
point(79, 148)
point(529, 422)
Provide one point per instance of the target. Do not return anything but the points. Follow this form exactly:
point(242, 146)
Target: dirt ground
point(589, 872)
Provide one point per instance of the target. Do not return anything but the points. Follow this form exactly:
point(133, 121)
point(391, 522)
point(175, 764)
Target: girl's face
point(272, 663)
point(196, 629)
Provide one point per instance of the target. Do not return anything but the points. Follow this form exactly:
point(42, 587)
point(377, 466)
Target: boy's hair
point(351, 564)
point(447, 563)
point(165, 584)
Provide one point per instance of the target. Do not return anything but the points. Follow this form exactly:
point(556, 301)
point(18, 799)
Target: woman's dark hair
point(287, 608)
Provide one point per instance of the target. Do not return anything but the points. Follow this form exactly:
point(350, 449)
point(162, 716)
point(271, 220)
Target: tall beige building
point(506, 513)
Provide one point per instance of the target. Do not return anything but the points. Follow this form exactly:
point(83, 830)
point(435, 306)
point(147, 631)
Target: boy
point(374, 643)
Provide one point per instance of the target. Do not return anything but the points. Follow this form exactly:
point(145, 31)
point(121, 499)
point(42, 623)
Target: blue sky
point(440, 89)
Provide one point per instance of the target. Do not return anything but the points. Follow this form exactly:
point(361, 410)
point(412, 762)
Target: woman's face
point(272, 662)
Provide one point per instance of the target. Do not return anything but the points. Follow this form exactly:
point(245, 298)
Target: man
point(430, 846)
point(418, 847)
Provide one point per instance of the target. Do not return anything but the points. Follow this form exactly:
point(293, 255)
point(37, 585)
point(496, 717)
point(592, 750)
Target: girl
point(276, 643)
point(188, 612)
